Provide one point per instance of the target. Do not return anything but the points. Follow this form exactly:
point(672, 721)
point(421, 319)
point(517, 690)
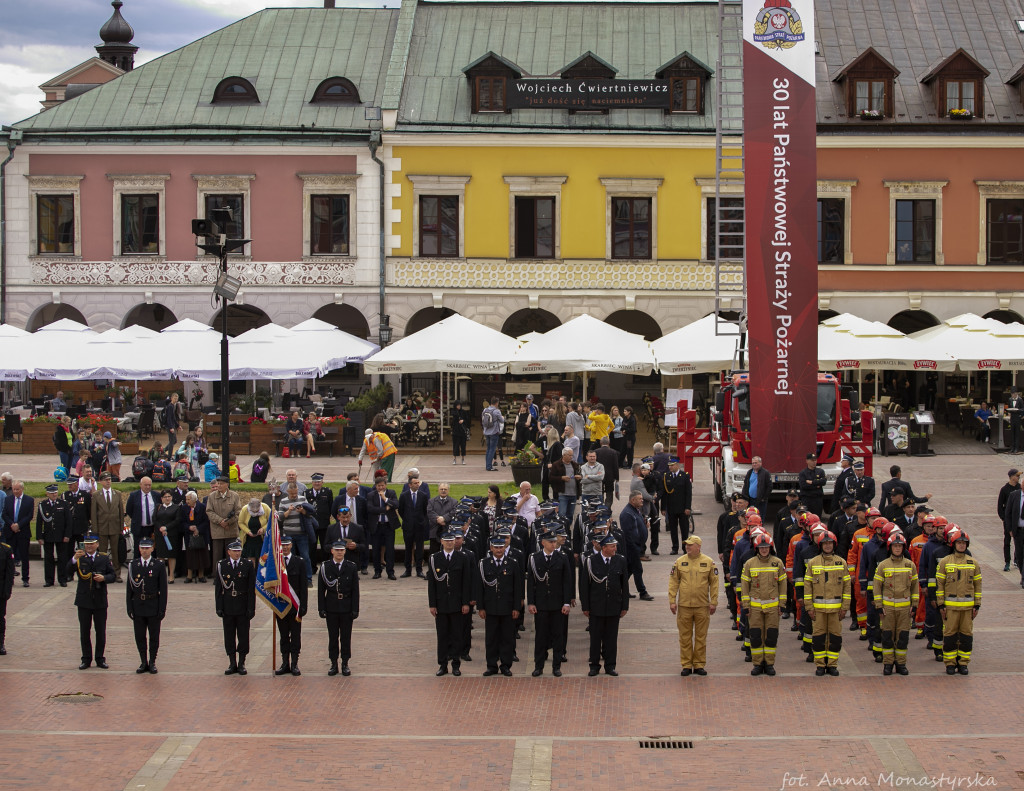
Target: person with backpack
point(493, 423)
point(210, 470)
point(260, 469)
point(162, 471)
point(142, 467)
point(112, 449)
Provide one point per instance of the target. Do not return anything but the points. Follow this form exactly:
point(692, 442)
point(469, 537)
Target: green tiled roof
point(284, 52)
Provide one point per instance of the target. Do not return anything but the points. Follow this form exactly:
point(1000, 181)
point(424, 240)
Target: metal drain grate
point(76, 697)
point(665, 744)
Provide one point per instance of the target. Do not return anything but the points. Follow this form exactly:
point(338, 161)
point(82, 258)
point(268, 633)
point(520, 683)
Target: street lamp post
point(217, 244)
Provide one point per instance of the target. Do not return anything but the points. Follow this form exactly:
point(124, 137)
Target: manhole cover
point(76, 697)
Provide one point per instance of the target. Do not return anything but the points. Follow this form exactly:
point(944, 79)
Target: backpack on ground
point(141, 467)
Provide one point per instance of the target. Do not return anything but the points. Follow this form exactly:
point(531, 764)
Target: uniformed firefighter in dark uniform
point(6, 587)
point(449, 591)
point(53, 532)
point(290, 624)
point(146, 599)
point(337, 602)
point(463, 544)
point(549, 595)
point(235, 598)
point(322, 499)
point(500, 593)
point(79, 506)
point(604, 598)
point(93, 571)
point(811, 484)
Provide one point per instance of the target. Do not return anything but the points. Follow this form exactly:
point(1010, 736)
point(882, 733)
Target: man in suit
point(79, 505)
point(141, 506)
point(348, 532)
point(897, 483)
point(1013, 523)
point(549, 596)
point(500, 593)
point(338, 604)
point(322, 499)
point(235, 600)
point(290, 626)
point(604, 598)
point(353, 499)
point(757, 486)
point(412, 507)
point(634, 530)
point(440, 511)
point(53, 532)
point(18, 511)
point(94, 571)
point(1015, 406)
point(6, 588)
point(609, 458)
point(449, 591)
point(108, 518)
point(676, 501)
point(382, 520)
point(146, 599)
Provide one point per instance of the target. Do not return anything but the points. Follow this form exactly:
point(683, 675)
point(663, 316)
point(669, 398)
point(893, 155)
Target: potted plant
point(525, 464)
point(261, 435)
point(961, 114)
point(37, 434)
point(871, 115)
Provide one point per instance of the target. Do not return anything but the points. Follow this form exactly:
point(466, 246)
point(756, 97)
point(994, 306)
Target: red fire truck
point(727, 442)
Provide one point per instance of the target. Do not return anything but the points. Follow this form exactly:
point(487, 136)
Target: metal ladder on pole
point(729, 211)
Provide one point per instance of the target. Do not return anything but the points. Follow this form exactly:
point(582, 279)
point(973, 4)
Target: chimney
point(328, 3)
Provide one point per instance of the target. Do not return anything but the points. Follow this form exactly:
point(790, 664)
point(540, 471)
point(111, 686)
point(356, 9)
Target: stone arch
point(637, 322)
point(346, 318)
point(825, 315)
point(530, 320)
point(424, 318)
point(908, 321)
point(241, 318)
point(153, 316)
point(1004, 315)
point(51, 312)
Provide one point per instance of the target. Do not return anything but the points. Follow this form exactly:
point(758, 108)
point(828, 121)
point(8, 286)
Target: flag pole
point(273, 645)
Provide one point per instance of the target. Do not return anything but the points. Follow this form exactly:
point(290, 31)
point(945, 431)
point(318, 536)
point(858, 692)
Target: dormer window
point(490, 79)
point(959, 86)
point(588, 66)
point(235, 90)
point(868, 82)
point(335, 90)
point(687, 78)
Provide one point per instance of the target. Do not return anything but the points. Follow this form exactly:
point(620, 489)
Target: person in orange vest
point(860, 538)
point(381, 450)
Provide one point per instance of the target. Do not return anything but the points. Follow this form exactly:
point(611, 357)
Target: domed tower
point(117, 34)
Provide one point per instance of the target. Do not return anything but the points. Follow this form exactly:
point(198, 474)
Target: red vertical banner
point(780, 197)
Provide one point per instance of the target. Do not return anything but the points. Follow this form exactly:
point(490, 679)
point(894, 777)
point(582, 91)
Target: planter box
point(10, 446)
point(871, 117)
point(129, 449)
point(38, 438)
point(261, 438)
point(530, 473)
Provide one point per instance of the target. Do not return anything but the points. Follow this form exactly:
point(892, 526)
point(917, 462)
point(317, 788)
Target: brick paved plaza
point(392, 724)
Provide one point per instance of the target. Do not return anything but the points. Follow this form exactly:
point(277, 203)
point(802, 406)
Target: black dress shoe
point(645, 596)
point(334, 669)
point(363, 571)
point(522, 627)
point(442, 671)
point(3, 651)
point(632, 595)
point(84, 665)
point(700, 671)
point(102, 663)
point(833, 671)
point(283, 670)
point(556, 672)
point(537, 672)
point(344, 670)
point(421, 575)
point(594, 671)
point(25, 584)
point(407, 573)
point(47, 584)
point(241, 669)
point(456, 671)
point(152, 669)
point(819, 671)
point(143, 668)
point(686, 671)
point(611, 672)
point(490, 672)
point(506, 672)
point(466, 658)
point(232, 669)
point(63, 584)
point(392, 577)
point(515, 657)
point(296, 671)
point(655, 552)
point(376, 575)
point(785, 615)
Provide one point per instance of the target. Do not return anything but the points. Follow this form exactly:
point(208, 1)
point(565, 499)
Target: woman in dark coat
point(167, 525)
point(194, 522)
point(460, 431)
point(628, 437)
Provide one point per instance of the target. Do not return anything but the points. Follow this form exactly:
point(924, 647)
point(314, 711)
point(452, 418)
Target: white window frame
point(328, 184)
point(842, 189)
point(131, 184)
point(225, 185)
point(54, 185)
point(438, 185)
point(915, 190)
point(992, 190)
point(630, 188)
point(732, 189)
point(537, 187)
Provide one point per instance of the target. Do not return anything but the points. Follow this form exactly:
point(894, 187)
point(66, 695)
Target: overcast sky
point(40, 39)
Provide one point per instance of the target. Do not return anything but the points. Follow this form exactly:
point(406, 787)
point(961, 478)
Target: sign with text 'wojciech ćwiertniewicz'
point(781, 232)
point(582, 94)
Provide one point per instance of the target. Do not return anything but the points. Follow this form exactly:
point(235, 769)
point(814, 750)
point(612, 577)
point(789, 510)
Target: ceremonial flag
point(271, 576)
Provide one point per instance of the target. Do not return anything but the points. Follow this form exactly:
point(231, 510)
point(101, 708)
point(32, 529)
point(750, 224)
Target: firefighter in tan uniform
point(827, 598)
point(693, 598)
point(895, 592)
point(958, 599)
point(763, 595)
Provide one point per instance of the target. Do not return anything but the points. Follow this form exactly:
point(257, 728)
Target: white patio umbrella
point(877, 346)
point(695, 348)
point(585, 344)
point(455, 344)
point(58, 350)
point(339, 347)
point(18, 358)
point(274, 352)
point(193, 349)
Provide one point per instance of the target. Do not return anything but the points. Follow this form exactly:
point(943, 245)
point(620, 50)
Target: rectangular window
point(439, 225)
point(236, 228)
point(831, 219)
point(490, 94)
point(55, 224)
point(631, 227)
point(960, 95)
point(685, 94)
point(729, 239)
point(329, 224)
point(140, 224)
point(915, 231)
point(1005, 229)
point(535, 227)
point(869, 96)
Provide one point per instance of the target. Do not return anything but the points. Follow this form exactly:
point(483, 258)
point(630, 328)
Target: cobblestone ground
point(393, 724)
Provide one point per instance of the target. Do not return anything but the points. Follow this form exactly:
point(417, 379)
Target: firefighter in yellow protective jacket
point(827, 598)
point(763, 594)
point(958, 599)
point(896, 593)
point(693, 598)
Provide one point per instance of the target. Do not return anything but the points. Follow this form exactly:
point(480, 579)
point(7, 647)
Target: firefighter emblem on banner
point(778, 26)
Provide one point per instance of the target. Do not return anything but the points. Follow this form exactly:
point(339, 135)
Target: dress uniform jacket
point(6, 572)
point(500, 586)
point(811, 484)
point(296, 570)
point(235, 589)
point(861, 489)
point(322, 500)
point(604, 587)
point(549, 582)
point(146, 591)
point(91, 595)
point(449, 582)
point(338, 589)
point(53, 523)
point(79, 505)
